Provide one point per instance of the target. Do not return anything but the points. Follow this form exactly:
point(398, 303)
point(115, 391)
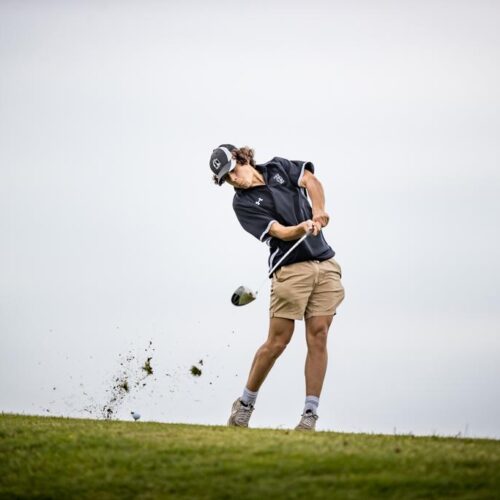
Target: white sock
point(249, 397)
point(312, 403)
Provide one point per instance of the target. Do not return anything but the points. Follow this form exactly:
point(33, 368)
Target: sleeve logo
point(279, 179)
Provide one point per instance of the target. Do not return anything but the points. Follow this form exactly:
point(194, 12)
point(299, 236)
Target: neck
point(257, 178)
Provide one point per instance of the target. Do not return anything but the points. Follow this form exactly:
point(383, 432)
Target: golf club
point(243, 295)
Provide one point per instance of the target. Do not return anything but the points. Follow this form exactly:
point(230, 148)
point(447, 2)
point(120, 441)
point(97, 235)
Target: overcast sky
point(112, 234)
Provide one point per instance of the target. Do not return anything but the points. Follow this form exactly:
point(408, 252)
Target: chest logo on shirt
point(279, 179)
point(258, 201)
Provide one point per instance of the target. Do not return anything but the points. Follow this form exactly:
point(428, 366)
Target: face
point(240, 177)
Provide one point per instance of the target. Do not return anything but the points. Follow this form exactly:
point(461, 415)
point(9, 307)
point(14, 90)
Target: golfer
point(271, 202)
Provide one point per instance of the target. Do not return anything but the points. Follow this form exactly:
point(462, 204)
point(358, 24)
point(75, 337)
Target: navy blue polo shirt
point(281, 200)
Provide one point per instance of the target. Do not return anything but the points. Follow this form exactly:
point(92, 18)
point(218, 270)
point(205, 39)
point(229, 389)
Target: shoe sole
point(231, 423)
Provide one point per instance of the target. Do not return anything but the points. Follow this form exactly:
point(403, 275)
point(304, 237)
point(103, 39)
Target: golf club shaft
point(253, 295)
point(296, 244)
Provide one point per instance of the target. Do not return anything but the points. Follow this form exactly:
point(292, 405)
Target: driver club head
point(243, 296)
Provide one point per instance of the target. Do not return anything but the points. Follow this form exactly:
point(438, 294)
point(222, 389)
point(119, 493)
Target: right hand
point(309, 226)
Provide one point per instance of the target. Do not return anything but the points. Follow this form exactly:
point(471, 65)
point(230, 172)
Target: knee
point(276, 348)
point(317, 339)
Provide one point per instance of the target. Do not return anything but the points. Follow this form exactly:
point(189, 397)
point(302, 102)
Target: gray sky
point(112, 234)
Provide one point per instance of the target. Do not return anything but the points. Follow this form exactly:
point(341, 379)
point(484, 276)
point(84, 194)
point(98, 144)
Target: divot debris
point(132, 375)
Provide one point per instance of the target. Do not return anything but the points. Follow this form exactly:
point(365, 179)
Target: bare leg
point(317, 354)
point(280, 333)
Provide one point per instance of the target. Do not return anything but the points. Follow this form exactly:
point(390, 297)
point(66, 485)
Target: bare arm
point(290, 233)
point(315, 191)
point(320, 217)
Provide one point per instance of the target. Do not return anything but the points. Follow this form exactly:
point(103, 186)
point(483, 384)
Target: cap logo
point(216, 163)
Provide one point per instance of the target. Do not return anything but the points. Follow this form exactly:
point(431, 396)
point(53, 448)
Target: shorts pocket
point(337, 267)
point(281, 274)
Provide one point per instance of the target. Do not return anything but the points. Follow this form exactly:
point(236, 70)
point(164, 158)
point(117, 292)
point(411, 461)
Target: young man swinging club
point(271, 203)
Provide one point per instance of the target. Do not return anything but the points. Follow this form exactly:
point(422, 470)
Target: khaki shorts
point(306, 289)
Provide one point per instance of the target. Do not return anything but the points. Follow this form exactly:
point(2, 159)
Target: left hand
point(321, 217)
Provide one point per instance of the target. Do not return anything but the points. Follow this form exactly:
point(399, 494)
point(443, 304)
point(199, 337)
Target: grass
point(44, 457)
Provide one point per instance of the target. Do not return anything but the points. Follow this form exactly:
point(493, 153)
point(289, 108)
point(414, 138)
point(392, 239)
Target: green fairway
point(67, 458)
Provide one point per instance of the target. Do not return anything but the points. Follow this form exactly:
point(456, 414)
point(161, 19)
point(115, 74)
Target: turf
point(43, 457)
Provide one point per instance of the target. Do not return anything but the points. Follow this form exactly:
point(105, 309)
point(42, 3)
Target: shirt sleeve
point(254, 220)
point(295, 169)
